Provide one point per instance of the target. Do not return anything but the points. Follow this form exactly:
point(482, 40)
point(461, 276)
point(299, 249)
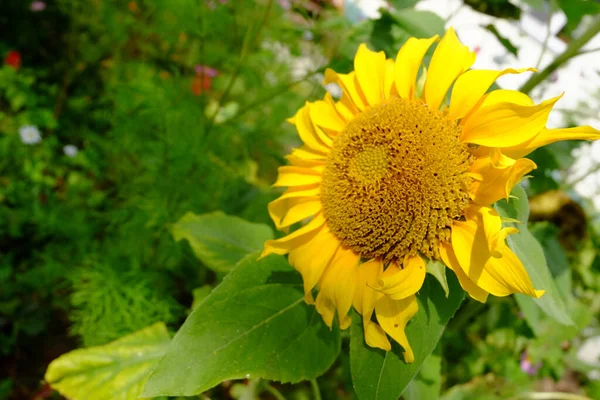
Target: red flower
point(13, 58)
point(200, 84)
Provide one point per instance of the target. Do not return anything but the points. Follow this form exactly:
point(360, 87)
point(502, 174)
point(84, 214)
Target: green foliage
point(531, 254)
point(255, 323)
point(111, 302)
point(428, 382)
point(378, 374)
point(219, 240)
point(116, 371)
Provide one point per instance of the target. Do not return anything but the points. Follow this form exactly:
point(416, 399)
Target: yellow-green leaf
point(115, 371)
point(220, 240)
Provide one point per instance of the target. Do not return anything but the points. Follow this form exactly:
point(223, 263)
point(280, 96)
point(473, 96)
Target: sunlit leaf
point(531, 254)
point(255, 323)
point(115, 371)
point(379, 375)
point(220, 240)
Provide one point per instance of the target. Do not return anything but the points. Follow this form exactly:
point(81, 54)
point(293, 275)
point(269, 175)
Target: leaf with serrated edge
point(220, 241)
point(531, 254)
point(115, 371)
point(254, 323)
point(381, 375)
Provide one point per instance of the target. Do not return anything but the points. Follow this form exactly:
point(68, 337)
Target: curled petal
point(293, 206)
point(449, 258)
point(547, 136)
point(393, 315)
point(496, 176)
point(473, 242)
point(471, 86)
point(364, 303)
point(398, 283)
point(506, 124)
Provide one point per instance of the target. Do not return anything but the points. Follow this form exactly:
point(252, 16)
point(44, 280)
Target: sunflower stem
point(571, 51)
point(315, 389)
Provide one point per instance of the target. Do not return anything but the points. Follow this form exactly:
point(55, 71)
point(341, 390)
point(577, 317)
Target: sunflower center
point(395, 179)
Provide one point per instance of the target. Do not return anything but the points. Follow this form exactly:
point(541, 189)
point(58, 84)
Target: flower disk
point(395, 180)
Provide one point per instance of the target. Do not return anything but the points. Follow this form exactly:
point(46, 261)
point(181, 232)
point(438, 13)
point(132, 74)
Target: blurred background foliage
point(140, 111)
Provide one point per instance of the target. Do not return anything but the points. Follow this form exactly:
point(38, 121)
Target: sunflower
point(390, 177)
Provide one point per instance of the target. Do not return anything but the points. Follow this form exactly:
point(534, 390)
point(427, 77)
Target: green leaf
point(220, 240)
point(377, 374)
point(503, 41)
point(420, 24)
point(115, 371)
point(495, 8)
point(403, 3)
point(254, 323)
point(438, 270)
point(575, 10)
point(531, 254)
point(428, 382)
point(395, 27)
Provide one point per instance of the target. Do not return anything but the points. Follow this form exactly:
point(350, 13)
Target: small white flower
point(70, 150)
point(30, 134)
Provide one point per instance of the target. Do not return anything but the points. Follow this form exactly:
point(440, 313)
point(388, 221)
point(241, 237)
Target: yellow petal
point(325, 116)
point(299, 237)
point(506, 124)
point(282, 206)
point(364, 303)
point(450, 59)
point(312, 136)
point(304, 157)
point(298, 176)
point(393, 315)
point(449, 258)
point(350, 87)
point(389, 88)
point(547, 136)
point(471, 86)
point(408, 63)
point(474, 242)
point(370, 72)
point(311, 259)
point(337, 285)
point(398, 283)
point(498, 175)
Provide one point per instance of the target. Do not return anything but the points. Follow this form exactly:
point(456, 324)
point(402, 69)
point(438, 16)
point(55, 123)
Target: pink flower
point(203, 70)
point(37, 6)
point(528, 366)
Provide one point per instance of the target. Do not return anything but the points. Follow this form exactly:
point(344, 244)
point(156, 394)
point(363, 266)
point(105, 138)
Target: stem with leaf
point(572, 50)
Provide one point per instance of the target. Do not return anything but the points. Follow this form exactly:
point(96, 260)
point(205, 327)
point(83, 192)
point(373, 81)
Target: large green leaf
point(377, 374)
point(428, 382)
point(254, 323)
point(115, 371)
point(529, 251)
point(220, 240)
